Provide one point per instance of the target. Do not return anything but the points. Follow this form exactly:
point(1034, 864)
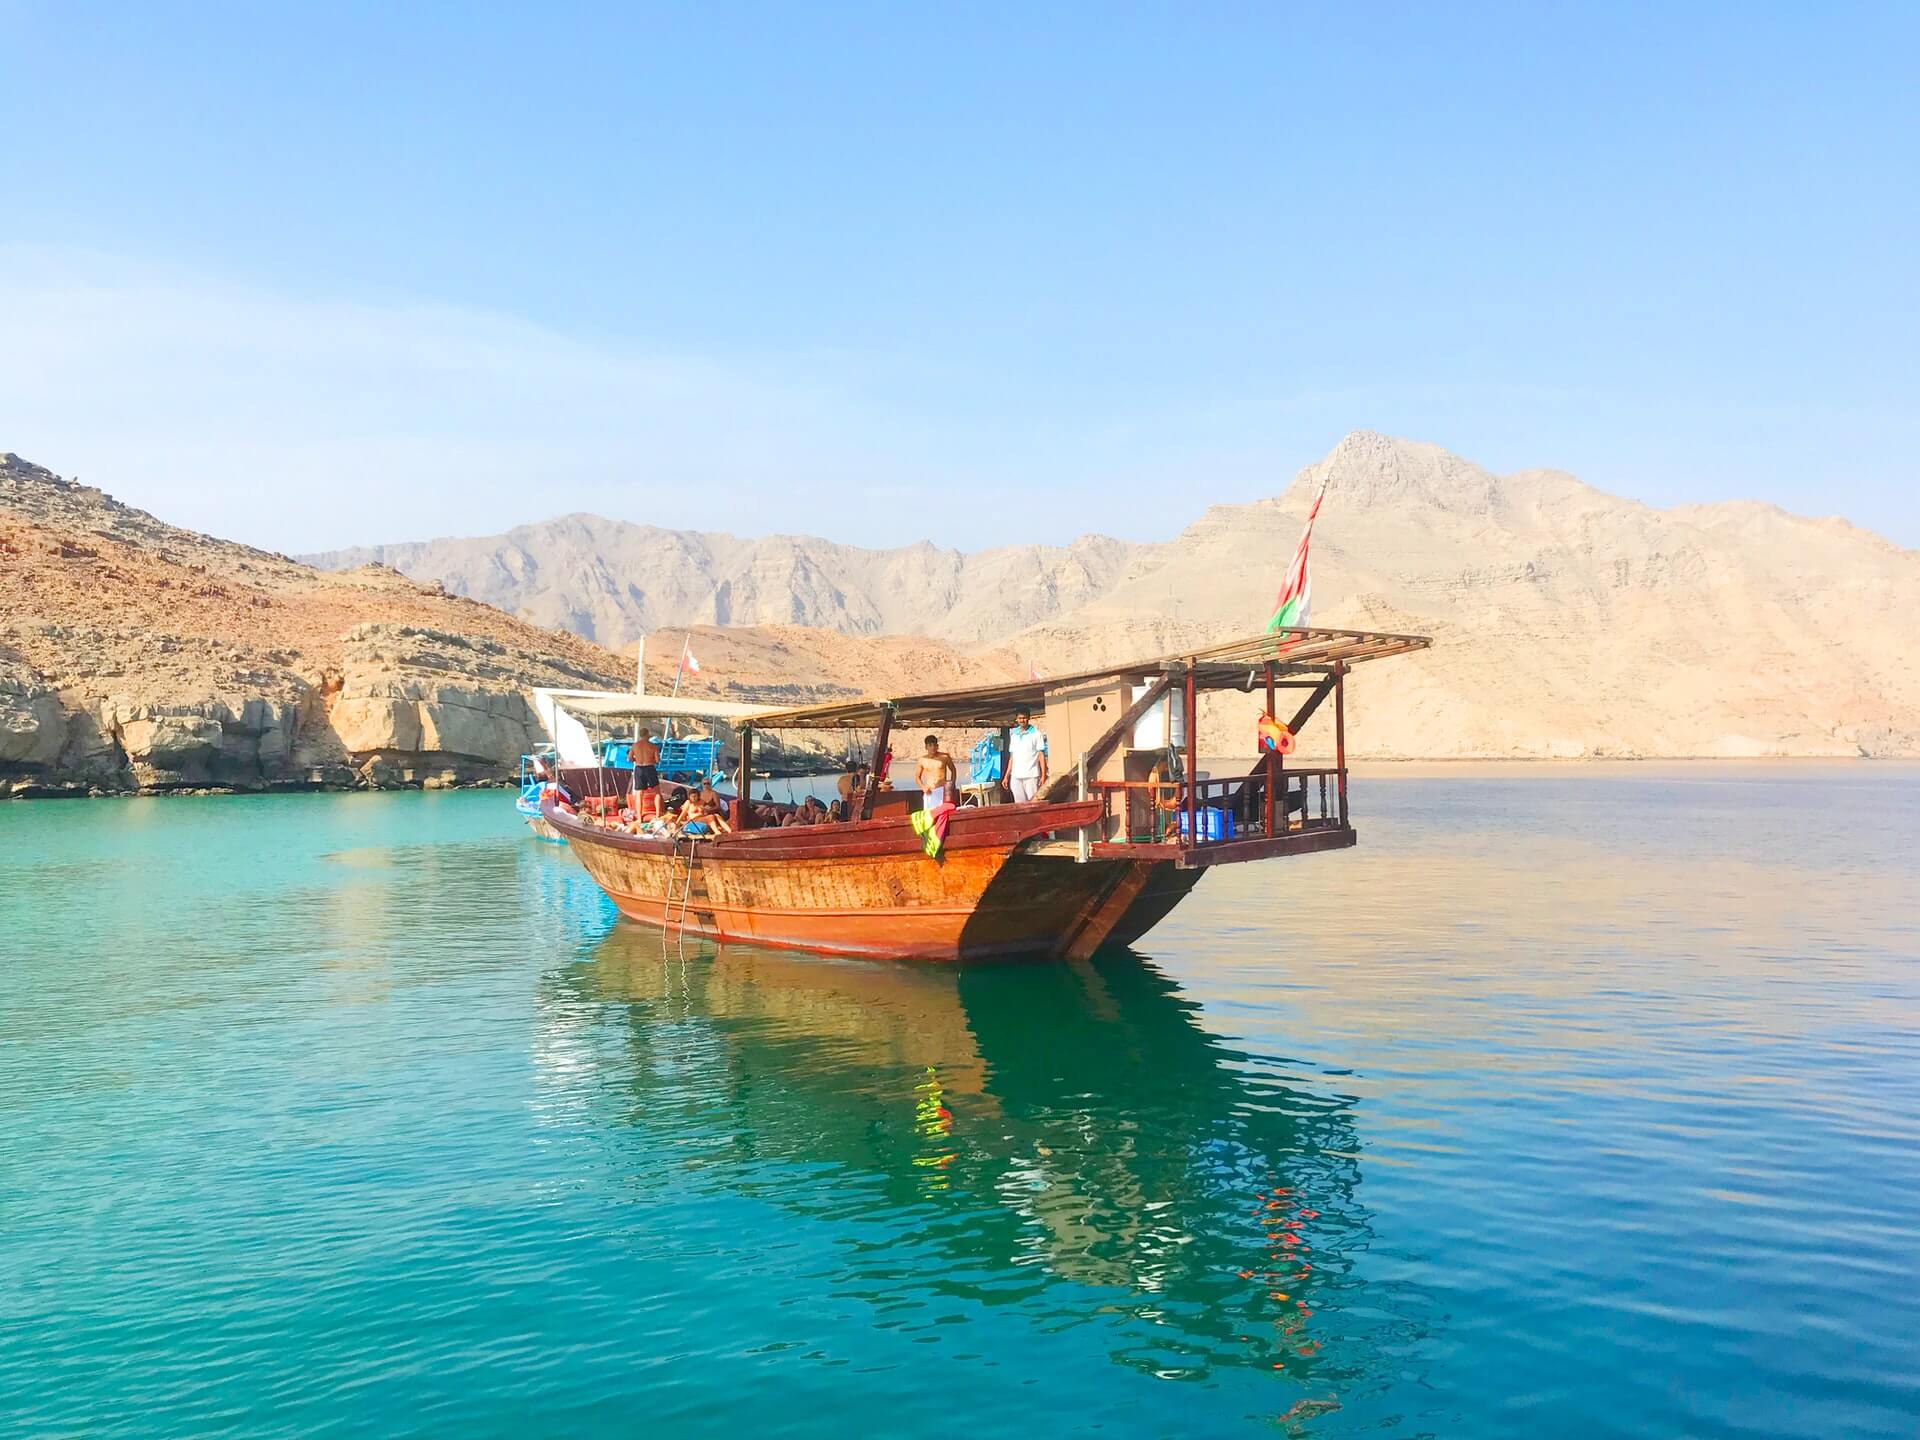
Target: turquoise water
point(1592, 1100)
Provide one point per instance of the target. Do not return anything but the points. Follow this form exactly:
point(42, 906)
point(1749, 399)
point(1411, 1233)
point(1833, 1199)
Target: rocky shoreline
point(388, 720)
point(139, 658)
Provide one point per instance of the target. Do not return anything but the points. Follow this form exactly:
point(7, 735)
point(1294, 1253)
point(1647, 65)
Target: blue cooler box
point(1214, 824)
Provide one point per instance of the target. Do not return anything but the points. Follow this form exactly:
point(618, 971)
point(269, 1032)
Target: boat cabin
point(1129, 737)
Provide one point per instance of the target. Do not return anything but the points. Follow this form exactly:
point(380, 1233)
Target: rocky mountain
point(1568, 622)
point(138, 656)
point(613, 582)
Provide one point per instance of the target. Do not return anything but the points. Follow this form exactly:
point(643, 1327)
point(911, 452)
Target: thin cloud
point(306, 423)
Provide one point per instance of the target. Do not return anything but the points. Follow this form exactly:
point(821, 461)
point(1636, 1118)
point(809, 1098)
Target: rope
point(686, 890)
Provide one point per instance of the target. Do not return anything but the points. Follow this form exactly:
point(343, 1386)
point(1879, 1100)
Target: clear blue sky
point(351, 273)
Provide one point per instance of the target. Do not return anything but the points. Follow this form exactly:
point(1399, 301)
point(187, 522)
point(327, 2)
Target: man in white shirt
point(1026, 758)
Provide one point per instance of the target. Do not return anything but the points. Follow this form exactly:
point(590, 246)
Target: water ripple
point(1561, 1106)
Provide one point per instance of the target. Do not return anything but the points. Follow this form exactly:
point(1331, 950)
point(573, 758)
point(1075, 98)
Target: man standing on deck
point(646, 763)
point(937, 776)
point(1026, 758)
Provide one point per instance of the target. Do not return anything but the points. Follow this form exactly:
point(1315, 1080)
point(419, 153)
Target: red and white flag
point(1296, 590)
point(688, 665)
point(1033, 671)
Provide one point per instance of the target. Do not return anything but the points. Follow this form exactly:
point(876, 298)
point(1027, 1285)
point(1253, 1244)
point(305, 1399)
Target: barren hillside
point(136, 655)
point(613, 582)
point(1569, 622)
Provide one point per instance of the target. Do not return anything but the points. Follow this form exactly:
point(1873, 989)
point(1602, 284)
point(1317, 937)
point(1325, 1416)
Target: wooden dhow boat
point(1124, 830)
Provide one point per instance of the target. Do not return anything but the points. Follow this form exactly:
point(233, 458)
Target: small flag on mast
point(688, 665)
point(1296, 591)
point(1033, 671)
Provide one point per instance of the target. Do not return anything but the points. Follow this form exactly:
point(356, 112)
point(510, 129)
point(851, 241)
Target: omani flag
point(1296, 591)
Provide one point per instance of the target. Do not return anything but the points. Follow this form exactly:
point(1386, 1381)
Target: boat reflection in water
point(1064, 1139)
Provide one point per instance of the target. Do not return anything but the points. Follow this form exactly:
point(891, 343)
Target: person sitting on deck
point(838, 811)
point(807, 812)
point(706, 810)
point(937, 775)
point(853, 782)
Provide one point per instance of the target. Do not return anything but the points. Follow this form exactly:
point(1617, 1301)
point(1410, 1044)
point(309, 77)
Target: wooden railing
point(1155, 813)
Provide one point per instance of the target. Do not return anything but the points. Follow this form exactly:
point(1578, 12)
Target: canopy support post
point(1340, 734)
point(1084, 849)
point(1193, 760)
point(743, 801)
point(1313, 703)
point(879, 756)
point(1273, 757)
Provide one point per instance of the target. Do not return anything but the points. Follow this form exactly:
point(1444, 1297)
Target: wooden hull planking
point(869, 889)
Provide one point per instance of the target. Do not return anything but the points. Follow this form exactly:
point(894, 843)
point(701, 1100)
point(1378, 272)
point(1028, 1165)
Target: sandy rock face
point(33, 724)
point(171, 749)
point(413, 691)
point(245, 743)
point(138, 656)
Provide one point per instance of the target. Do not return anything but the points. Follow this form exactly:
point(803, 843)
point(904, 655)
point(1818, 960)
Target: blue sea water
point(1577, 1102)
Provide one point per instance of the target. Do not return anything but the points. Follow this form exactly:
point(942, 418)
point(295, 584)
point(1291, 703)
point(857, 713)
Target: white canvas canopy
point(560, 712)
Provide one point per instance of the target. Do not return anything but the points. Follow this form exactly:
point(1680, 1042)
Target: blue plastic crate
point(1214, 824)
point(689, 757)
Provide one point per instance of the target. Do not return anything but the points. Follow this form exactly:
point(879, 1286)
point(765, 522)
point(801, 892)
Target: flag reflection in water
point(933, 1121)
point(1091, 1153)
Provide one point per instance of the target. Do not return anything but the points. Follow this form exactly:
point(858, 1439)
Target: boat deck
point(1272, 810)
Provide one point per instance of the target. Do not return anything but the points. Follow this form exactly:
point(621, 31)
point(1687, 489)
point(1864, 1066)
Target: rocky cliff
point(138, 656)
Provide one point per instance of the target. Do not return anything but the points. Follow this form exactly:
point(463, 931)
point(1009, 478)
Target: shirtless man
point(646, 762)
point(937, 776)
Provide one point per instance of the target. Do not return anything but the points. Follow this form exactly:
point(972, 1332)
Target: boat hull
point(870, 890)
point(543, 831)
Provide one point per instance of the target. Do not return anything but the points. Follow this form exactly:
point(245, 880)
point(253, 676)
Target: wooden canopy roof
point(1214, 667)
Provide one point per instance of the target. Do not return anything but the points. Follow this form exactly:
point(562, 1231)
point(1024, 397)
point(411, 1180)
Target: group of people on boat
point(650, 809)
